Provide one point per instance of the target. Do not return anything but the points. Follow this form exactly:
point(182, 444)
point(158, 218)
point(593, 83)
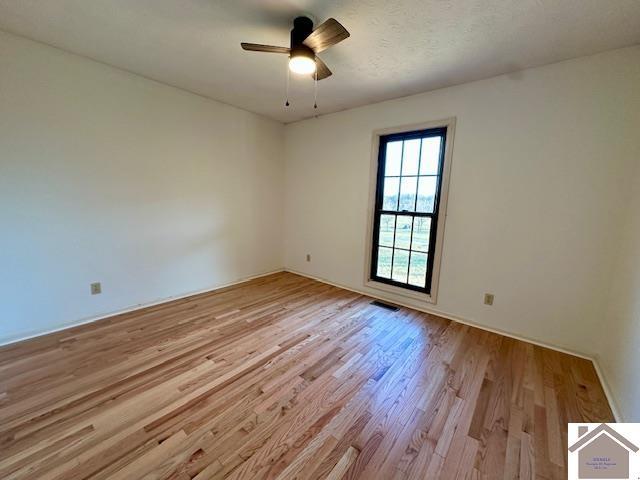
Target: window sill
point(403, 292)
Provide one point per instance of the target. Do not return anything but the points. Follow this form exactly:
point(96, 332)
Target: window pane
point(408, 194)
point(392, 159)
point(426, 194)
point(390, 200)
point(418, 269)
point(430, 157)
point(410, 157)
point(408, 185)
point(403, 231)
point(400, 266)
point(383, 268)
point(387, 225)
point(421, 230)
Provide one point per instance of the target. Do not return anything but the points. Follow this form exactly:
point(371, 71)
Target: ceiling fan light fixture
point(302, 61)
point(302, 65)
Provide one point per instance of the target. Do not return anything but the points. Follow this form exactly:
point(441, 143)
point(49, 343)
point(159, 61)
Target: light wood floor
point(284, 377)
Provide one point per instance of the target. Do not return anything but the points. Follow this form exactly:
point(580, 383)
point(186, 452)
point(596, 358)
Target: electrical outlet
point(96, 288)
point(488, 298)
point(308, 257)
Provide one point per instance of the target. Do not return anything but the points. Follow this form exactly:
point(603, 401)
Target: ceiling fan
point(306, 43)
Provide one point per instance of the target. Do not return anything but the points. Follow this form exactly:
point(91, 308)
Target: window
point(407, 203)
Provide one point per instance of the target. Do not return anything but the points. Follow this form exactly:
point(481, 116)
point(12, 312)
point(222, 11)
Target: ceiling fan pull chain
point(315, 90)
point(286, 103)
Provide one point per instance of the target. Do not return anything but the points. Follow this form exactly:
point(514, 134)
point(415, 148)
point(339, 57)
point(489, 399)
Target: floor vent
point(388, 306)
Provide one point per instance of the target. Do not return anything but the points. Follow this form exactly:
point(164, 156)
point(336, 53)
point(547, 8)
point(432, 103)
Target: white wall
point(540, 167)
point(106, 176)
point(619, 334)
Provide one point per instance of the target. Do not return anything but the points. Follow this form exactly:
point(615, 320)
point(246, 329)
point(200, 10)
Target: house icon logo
point(604, 451)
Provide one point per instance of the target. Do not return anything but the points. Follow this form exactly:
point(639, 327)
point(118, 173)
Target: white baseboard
point(471, 323)
point(133, 308)
point(607, 390)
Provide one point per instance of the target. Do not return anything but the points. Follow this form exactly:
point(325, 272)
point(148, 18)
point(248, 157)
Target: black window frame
point(378, 211)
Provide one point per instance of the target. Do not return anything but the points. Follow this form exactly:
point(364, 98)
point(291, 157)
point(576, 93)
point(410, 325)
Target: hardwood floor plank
point(285, 377)
point(343, 465)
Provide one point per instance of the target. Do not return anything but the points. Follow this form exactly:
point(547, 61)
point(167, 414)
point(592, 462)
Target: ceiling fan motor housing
point(302, 28)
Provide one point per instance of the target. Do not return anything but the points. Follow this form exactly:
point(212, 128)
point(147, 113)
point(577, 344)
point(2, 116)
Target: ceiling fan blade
point(256, 47)
point(325, 35)
point(322, 69)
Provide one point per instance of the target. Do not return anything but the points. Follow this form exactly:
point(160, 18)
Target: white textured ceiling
point(397, 47)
